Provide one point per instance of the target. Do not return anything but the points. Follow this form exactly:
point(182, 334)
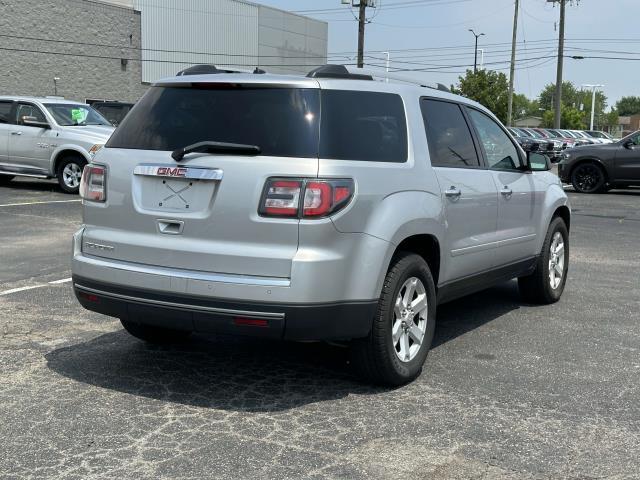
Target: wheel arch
point(584, 160)
point(565, 213)
point(65, 151)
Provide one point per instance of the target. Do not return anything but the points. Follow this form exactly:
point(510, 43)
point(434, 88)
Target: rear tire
point(69, 173)
point(546, 284)
point(589, 177)
point(393, 354)
point(157, 335)
point(4, 179)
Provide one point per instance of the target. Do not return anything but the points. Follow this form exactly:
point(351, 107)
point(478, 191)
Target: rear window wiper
point(216, 147)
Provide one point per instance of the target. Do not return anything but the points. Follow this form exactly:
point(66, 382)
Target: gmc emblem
point(171, 172)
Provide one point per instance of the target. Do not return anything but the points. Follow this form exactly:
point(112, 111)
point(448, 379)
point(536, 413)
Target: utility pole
point(558, 100)
point(475, 61)
point(513, 64)
point(362, 19)
point(593, 102)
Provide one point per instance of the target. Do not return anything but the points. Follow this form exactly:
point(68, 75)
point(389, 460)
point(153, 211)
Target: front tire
point(589, 177)
point(402, 331)
point(546, 284)
point(70, 172)
point(157, 335)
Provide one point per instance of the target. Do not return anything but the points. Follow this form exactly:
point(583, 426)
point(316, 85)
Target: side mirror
point(538, 162)
point(34, 122)
point(629, 145)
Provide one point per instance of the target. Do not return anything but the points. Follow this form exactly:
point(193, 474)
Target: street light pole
point(512, 70)
point(475, 61)
point(593, 101)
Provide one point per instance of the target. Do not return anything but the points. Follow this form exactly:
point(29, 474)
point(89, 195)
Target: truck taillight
point(93, 185)
point(319, 198)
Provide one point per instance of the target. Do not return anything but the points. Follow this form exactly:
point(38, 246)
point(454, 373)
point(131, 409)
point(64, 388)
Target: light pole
point(388, 58)
point(55, 86)
point(475, 62)
point(593, 101)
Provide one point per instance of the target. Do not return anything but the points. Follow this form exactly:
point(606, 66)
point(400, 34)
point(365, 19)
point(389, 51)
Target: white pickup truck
point(49, 138)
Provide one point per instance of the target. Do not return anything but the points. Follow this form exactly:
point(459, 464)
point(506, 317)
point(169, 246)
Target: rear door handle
point(506, 191)
point(16, 133)
point(453, 192)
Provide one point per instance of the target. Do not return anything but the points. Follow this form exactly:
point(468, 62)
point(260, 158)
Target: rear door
point(519, 205)
point(5, 126)
point(202, 213)
point(627, 162)
point(468, 191)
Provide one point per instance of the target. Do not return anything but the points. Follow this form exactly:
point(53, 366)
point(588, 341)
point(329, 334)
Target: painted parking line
point(32, 287)
point(39, 203)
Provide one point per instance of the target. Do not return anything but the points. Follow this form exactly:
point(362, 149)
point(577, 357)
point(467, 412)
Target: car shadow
point(38, 185)
point(249, 375)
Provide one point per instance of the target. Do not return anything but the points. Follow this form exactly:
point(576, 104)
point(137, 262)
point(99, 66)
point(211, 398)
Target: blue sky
point(440, 29)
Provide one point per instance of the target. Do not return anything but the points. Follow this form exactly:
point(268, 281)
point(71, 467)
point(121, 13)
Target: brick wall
point(81, 77)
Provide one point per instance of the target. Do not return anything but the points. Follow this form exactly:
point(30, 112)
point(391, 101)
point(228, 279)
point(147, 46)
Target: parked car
point(330, 207)
point(564, 137)
point(583, 136)
point(579, 141)
point(528, 143)
point(49, 138)
point(554, 146)
point(599, 168)
point(603, 136)
point(113, 111)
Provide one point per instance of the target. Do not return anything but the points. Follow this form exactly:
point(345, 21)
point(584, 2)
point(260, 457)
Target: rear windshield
point(283, 122)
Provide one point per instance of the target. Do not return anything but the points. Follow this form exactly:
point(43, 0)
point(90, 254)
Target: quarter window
point(369, 126)
point(501, 153)
point(450, 141)
point(5, 111)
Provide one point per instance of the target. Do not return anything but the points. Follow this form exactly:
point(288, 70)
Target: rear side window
point(369, 126)
point(5, 111)
point(450, 141)
point(281, 121)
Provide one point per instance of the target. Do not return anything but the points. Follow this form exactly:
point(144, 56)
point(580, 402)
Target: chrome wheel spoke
point(397, 308)
point(405, 353)
point(397, 332)
point(409, 291)
point(416, 334)
point(420, 303)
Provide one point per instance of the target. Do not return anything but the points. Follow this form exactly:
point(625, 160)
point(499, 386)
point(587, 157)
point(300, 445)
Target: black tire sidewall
point(601, 183)
point(412, 266)
point(77, 159)
point(557, 225)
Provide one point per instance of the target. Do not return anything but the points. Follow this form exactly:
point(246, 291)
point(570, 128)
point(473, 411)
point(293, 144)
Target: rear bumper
point(328, 321)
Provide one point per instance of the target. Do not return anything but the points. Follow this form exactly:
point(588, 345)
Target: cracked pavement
point(510, 391)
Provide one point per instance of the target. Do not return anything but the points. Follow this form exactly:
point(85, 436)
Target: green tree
point(488, 88)
point(573, 98)
point(628, 106)
point(524, 107)
point(570, 118)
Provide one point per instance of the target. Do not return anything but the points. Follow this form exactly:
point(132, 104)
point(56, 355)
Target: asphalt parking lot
point(510, 391)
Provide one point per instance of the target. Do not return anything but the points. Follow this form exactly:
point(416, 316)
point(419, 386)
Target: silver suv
point(49, 137)
point(331, 207)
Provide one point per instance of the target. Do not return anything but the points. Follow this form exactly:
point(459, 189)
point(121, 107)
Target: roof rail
point(206, 69)
point(337, 71)
point(399, 78)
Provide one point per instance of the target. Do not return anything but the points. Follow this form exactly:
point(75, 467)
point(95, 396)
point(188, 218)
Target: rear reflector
point(89, 297)
point(93, 183)
point(250, 322)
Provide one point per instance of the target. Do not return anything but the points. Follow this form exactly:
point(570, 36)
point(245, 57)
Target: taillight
point(281, 198)
point(320, 198)
point(93, 185)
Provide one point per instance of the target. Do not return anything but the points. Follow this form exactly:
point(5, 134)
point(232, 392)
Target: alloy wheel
point(556, 261)
point(71, 175)
point(410, 314)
